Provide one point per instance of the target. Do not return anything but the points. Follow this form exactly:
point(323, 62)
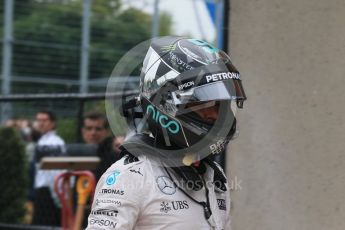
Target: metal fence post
point(226, 26)
point(7, 58)
point(85, 47)
point(80, 120)
point(155, 20)
point(219, 23)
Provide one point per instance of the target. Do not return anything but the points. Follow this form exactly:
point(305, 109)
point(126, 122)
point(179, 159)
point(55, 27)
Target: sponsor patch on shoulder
point(111, 179)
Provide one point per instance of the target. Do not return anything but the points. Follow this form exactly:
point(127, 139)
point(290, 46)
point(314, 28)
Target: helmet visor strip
point(217, 91)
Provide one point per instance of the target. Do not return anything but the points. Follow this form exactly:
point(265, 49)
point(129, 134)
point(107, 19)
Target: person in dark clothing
point(95, 130)
point(47, 209)
point(109, 153)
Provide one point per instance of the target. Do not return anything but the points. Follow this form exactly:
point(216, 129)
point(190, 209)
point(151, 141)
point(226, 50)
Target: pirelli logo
point(105, 212)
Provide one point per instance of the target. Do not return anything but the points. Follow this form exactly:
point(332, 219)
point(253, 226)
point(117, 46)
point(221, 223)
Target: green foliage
point(67, 129)
point(47, 37)
point(106, 8)
point(35, 34)
point(13, 177)
point(165, 24)
point(118, 123)
point(97, 105)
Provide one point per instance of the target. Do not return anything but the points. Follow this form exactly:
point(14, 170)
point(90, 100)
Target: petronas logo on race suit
point(111, 179)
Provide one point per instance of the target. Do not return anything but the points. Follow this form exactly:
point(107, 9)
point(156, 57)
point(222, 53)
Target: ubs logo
point(178, 205)
point(165, 207)
point(173, 205)
point(163, 120)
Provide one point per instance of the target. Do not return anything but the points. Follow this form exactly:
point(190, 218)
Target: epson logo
point(222, 76)
point(112, 191)
point(106, 223)
point(186, 85)
point(105, 212)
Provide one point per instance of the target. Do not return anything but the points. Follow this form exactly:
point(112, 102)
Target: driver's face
point(208, 113)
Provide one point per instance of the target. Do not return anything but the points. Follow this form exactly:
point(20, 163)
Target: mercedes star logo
point(166, 185)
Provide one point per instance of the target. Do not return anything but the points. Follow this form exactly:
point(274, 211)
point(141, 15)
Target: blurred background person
point(10, 123)
point(31, 138)
point(109, 152)
point(95, 131)
point(95, 128)
point(46, 205)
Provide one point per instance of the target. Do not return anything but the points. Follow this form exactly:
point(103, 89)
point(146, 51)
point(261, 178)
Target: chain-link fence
point(59, 45)
point(69, 46)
